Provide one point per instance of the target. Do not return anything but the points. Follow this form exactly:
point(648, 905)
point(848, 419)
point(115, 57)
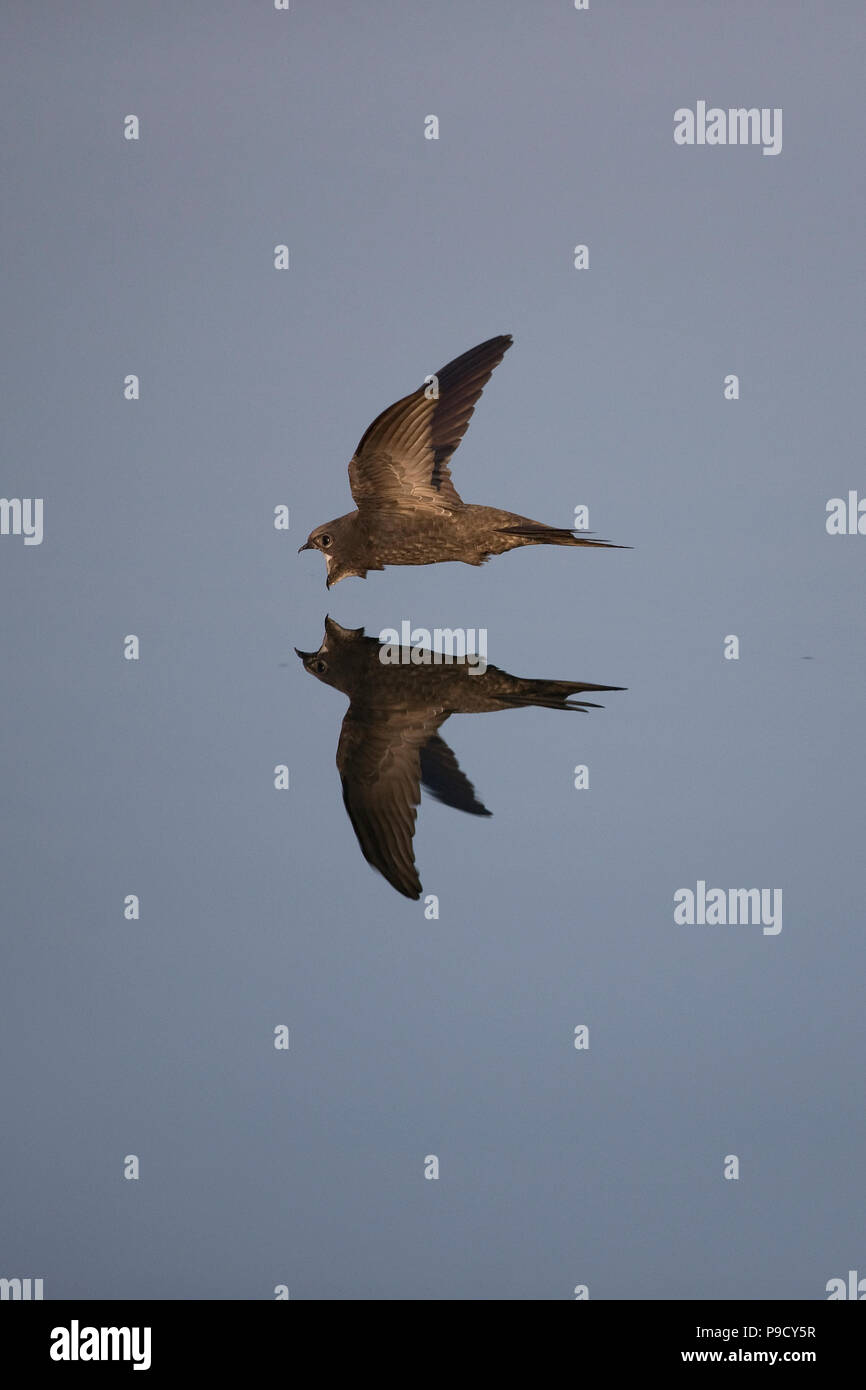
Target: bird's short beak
point(305, 656)
point(308, 545)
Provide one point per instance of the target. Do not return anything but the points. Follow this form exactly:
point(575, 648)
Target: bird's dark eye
point(325, 541)
point(321, 666)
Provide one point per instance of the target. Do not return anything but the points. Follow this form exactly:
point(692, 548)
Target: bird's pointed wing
point(442, 776)
point(378, 758)
point(403, 458)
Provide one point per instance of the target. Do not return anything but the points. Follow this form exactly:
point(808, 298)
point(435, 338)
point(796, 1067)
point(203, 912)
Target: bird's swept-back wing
point(383, 757)
point(403, 457)
point(442, 776)
point(379, 765)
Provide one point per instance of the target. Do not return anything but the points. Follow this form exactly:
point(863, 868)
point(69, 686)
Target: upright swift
point(408, 509)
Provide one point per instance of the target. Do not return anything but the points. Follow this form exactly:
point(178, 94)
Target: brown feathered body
point(471, 534)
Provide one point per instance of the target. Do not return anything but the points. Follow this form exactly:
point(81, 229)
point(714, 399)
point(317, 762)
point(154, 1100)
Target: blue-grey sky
point(411, 1037)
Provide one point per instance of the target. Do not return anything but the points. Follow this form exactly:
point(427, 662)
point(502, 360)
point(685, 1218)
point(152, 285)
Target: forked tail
point(556, 694)
point(538, 534)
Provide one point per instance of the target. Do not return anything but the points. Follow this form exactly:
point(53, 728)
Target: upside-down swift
point(408, 510)
point(390, 744)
